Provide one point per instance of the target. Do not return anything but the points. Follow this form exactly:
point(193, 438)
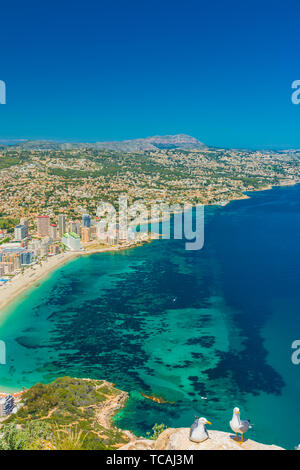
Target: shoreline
point(22, 282)
point(60, 261)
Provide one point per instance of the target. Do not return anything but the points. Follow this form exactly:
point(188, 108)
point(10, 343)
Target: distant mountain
point(179, 141)
point(40, 145)
point(11, 141)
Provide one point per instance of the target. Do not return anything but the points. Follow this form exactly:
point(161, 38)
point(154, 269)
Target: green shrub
point(30, 436)
point(157, 430)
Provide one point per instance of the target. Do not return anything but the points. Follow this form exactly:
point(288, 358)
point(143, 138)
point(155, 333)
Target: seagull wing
point(244, 426)
point(194, 426)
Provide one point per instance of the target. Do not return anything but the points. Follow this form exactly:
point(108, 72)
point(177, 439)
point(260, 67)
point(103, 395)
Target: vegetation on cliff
point(68, 413)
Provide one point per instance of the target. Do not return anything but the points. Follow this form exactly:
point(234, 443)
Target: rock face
point(178, 439)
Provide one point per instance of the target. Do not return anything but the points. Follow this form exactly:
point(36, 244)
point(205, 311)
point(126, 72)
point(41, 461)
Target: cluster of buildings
point(69, 233)
point(10, 403)
point(7, 405)
point(50, 236)
point(33, 242)
point(12, 258)
point(73, 179)
point(26, 249)
point(72, 234)
point(46, 239)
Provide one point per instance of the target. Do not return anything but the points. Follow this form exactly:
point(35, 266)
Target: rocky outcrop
point(178, 439)
point(75, 406)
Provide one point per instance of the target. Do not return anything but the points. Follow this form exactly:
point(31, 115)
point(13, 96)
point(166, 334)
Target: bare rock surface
point(178, 439)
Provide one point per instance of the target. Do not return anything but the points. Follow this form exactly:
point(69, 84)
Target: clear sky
point(116, 69)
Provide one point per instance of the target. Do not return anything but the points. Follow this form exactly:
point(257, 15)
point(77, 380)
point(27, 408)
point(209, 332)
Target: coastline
point(285, 196)
point(22, 282)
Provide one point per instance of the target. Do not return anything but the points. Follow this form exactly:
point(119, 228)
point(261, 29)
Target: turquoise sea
point(216, 323)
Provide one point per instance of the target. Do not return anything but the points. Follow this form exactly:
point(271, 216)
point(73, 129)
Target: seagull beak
point(238, 412)
point(208, 422)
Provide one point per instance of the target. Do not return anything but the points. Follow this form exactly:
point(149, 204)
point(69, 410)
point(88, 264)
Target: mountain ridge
point(180, 141)
point(153, 143)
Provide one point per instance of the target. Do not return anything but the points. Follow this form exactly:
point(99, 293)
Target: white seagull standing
point(237, 425)
point(198, 431)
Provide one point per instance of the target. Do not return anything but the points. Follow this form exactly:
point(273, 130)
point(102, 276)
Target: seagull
point(237, 425)
point(198, 431)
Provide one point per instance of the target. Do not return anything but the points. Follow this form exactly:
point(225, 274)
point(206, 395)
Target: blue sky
point(110, 70)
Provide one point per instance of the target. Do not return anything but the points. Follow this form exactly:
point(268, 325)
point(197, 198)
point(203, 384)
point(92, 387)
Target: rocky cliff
point(76, 414)
point(178, 439)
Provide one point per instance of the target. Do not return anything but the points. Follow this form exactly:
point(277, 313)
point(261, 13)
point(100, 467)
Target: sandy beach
point(21, 282)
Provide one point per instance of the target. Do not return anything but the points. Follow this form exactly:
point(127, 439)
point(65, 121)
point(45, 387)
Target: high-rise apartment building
point(25, 222)
point(93, 231)
point(7, 268)
point(74, 227)
point(43, 225)
point(61, 225)
point(86, 220)
point(85, 234)
point(20, 232)
point(26, 257)
point(7, 404)
point(53, 231)
point(71, 241)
